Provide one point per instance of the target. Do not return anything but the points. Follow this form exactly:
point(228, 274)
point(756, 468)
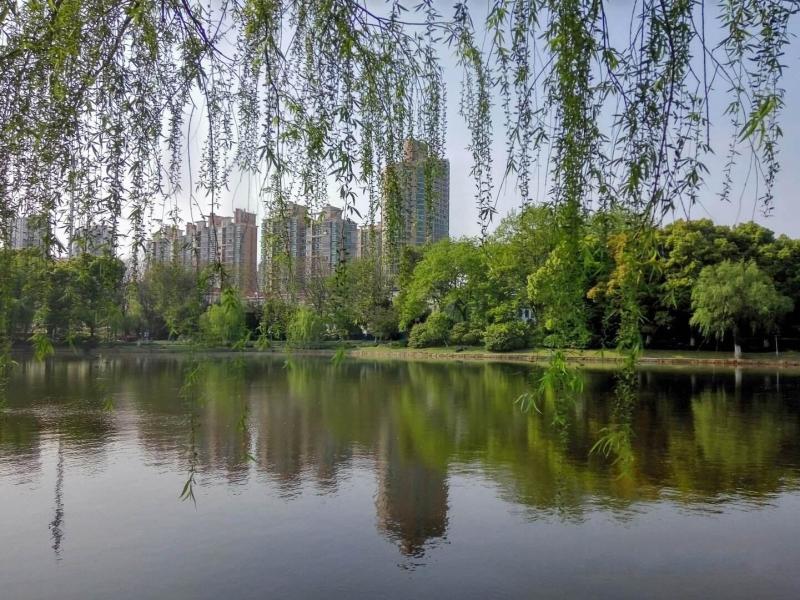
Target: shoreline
point(593, 358)
point(579, 357)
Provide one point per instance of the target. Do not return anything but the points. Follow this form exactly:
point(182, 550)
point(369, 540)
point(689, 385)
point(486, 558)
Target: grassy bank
point(368, 350)
point(585, 357)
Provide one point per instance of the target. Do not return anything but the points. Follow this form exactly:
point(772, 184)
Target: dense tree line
point(698, 284)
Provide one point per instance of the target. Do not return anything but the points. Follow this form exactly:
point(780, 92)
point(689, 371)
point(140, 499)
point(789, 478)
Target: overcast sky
point(785, 217)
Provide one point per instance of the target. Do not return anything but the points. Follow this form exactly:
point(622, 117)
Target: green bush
point(464, 335)
point(224, 323)
point(305, 328)
point(504, 337)
point(383, 323)
point(433, 332)
point(419, 337)
point(275, 317)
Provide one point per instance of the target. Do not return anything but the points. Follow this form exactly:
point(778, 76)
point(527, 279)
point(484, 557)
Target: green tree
point(686, 247)
point(360, 294)
point(276, 314)
point(99, 290)
point(383, 323)
point(780, 259)
point(519, 247)
point(733, 296)
point(224, 323)
point(434, 331)
point(447, 279)
point(557, 292)
point(171, 298)
point(505, 337)
point(305, 328)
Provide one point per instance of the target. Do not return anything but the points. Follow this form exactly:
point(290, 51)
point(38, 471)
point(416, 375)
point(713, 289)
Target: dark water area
point(393, 480)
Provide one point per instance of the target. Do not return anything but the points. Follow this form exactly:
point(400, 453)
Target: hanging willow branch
point(96, 95)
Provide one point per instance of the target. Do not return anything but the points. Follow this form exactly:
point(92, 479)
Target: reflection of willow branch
point(102, 388)
point(615, 440)
point(244, 428)
point(191, 391)
point(559, 387)
point(57, 524)
point(6, 364)
point(244, 419)
point(338, 358)
point(187, 493)
point(557, 390)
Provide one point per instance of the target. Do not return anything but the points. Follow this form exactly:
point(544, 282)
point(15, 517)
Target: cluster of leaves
point(733, 296)
point(504, 337)
point(305, 328)
point(168, 301)
point(434, 331)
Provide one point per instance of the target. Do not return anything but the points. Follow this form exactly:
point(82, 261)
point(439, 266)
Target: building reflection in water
point(411, 502)
point(693, 437)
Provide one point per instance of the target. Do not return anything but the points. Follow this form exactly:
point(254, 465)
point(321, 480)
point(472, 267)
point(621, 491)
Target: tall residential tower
point(415, 207)
point(331, 239)
point(283, 251)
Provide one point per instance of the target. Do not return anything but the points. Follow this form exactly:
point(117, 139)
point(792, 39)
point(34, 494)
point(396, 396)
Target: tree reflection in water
point(615, 440)
point(693, 438)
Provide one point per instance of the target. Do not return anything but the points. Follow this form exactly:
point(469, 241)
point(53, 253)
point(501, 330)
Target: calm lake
point(392, 480)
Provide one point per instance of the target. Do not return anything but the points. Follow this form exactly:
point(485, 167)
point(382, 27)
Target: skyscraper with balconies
point(95, 239)
point(283, 250)
point(415, 206)
point(27, 232)
point(331, 238)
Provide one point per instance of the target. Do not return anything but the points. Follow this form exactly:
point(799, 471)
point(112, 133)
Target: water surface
point(392, 480)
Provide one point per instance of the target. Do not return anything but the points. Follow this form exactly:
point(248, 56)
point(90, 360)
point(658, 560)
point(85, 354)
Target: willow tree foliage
point(734, 297)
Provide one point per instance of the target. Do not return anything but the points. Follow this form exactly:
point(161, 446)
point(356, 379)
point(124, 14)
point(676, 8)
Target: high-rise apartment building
point(165, 246)
point(415, 207)
point(27, 232)
point(283, 250)
point(233, 241)
point(95, 239)
point(331, 238)
point(369, 241)
point(299, 250)
point(239, 250)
